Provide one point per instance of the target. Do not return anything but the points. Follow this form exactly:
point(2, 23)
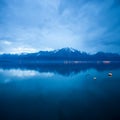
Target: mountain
point(63, 61)
point(59, 52)
point(60, 55)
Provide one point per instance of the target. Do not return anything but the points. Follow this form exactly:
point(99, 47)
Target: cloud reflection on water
point(24, 73)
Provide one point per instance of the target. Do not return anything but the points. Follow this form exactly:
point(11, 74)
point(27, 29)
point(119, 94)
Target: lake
point(79, 92)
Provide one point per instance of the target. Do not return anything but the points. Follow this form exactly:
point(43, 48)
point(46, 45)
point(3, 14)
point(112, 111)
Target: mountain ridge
point(63, 54)
point(61, 49)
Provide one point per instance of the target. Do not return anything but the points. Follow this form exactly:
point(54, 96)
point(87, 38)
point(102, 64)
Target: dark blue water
point(48, 95)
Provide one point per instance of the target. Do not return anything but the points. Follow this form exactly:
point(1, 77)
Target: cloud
point(5, 42)
point(82, 24)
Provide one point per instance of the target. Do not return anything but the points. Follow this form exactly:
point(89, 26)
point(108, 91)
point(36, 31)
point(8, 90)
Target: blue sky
point(33, 25)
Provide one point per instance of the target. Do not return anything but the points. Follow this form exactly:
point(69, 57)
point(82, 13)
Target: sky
point(34, 25)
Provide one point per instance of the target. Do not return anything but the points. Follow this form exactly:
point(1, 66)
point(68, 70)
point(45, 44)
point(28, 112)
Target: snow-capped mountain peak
point(67, 49)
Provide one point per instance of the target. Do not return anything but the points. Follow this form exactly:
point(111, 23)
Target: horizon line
point(52, 50)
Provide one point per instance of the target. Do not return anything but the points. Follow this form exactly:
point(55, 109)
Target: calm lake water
point(35, 94)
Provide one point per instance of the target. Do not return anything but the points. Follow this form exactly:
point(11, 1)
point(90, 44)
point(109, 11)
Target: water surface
point(60, 94)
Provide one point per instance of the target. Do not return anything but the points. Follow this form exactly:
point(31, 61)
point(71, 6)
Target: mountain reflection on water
point(63, 69)
point(59, 91)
